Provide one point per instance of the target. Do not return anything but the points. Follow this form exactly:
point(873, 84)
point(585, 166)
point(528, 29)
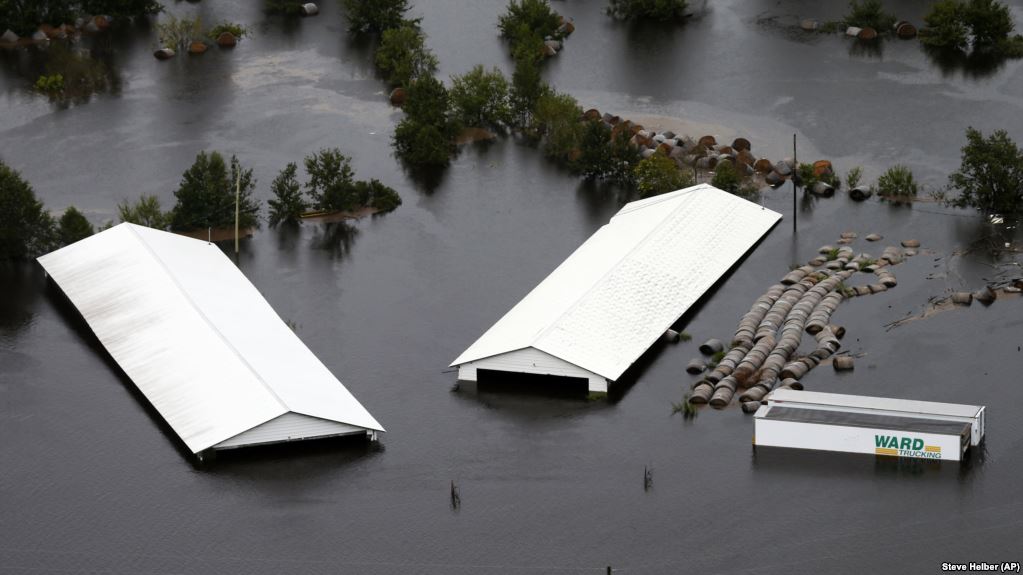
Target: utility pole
point(237, 202)
point(795, 171)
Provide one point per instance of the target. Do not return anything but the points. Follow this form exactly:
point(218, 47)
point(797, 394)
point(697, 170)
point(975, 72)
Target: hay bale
point(985, 295)
point(860, 193)
point(696, 366)
point(701, 394)
point(750, 406)
point(873, 238)
point(910, 243)
point(711, 346)
point(962, 298)
point(843, 363)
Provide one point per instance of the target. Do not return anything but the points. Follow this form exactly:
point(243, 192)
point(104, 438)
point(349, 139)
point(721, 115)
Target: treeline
point(205, 198)
point(25, 16)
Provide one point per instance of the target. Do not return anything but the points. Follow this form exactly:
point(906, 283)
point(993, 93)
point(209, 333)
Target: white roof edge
point(871, 402)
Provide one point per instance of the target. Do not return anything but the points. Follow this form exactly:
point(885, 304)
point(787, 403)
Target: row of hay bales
point(764, 349)
point(902, 29)
point(69, 31)
point(706, 153)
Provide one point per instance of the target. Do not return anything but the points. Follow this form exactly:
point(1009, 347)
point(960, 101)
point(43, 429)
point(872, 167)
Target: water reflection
point(872, 49)
point(84, 71)
point(976, 65)
point(336, 238)
point(782, 463)
point(20, 285)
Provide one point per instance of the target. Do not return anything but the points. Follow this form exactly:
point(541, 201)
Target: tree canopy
point(26, 229)
point(990, 178)
point(206, 195)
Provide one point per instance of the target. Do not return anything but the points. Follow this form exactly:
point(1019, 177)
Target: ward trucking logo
point(905, 447)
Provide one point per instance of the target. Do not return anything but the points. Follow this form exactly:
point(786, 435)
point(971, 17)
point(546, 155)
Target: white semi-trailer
point(873, 425)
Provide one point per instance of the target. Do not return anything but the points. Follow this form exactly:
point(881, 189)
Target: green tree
point(595, 158)
point(897, 182)
point(331, 184)
point(73, 226)
point(425, 136)
point(375, 194)
point(375, 16)
point(869, 14)
point(527, 84)
point(403, 55)
point(556, 119)
point(287, 204)
point(480, 98)
point(946, 25)
point(145, 212)
point(25, 16)
point(26, 229)
point(726, 178)
point(658, 174)
point(989, 21)
point(206, 195)
point(528, 18)
point(658, 10)
point(122, 8)
point(990, 177)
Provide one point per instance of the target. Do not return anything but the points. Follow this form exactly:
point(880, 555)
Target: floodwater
point(92, 481)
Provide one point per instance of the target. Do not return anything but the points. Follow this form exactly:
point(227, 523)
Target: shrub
point(206, 195)
point(287, 204)
point(527, 19)
point(178, 34)
point(658, 174)
point(375, 16)
point(897, 183)
point(25, 16)
point(595, 159)
point(727, 178)
point(989, 21)
point(403, 55)
point(237, 30)
point(805, 176)
point(946, 25)
point(990, 177)
point(852, 177)
point(26, 229)
point(971, 24)
point(556, 119)
point(376, 195)
point(527, 84)
point(145, 212)
point(425, 136)
point(869, 14)
point(73, 226)
point(51, 85)
point(122, 8)
point(659, 10)
point(331, 184)
point(480, 98)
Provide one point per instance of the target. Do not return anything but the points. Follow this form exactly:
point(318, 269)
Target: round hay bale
point(860, 193)
point(701, 394)
point(227, 40)
point(910, 243)
point(196, 48)
point(873, 238)
point(711, 346)
point(867, 33)
point(708, 141)
point(591, 115)
point(809, 24)
point(783, 168)
point(848, 235)
point(750, 406)
point(742, 145)
point(838, 330)
point(398, 96)
point(823, 168)
point(985, 295)
point(668, 134)
point(774, 179)
point(843, 363)
point(822, 189)
point(696, 366)
point(671, 336)
point(962, 298)
point(164, 54)
point(722, 397)
point(310, 9)
point(905, 30)
point(763, 166)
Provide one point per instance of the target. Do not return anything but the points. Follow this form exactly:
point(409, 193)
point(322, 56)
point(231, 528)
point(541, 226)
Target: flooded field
point(92, 481)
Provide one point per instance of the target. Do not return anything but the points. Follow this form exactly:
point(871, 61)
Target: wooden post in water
point(237, 201)
point(795, 170)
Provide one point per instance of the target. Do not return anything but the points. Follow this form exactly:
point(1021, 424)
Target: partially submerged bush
point(331, 185)
point(480, 98)
point(52, 85)
point(179, 33)
point(425, 136)
point(990, 177)
point(869, 14)
point(375, 16)
point(403, 55)
point(726, 177)
point(966, 25)
point(607, 154)
point(658, 10)
point(236, 30)
point(897, 183)
point(852, 177)
point(556, 120)
point(658, 174)
point(528, 19)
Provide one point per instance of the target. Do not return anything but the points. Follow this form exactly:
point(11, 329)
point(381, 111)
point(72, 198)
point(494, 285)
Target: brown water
point(92, 481)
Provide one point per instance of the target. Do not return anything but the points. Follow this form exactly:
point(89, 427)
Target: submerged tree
point(374, 16)
point(73, 226)
point(480, 98)
point(144, 212)
point(403, 55)
point(331, 184)
point(658, 10)
point(206, 195)
point(658, 174)
point(26, 229)
point(287, 204)
point(425, 136)
point(556, 119)
point(990, 178)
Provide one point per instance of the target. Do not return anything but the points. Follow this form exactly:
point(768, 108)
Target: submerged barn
point(200, 342)
point(604, 306)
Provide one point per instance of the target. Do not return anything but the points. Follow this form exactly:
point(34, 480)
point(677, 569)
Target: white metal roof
point(622, 288)
point(791, 397)
point(195, 335)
